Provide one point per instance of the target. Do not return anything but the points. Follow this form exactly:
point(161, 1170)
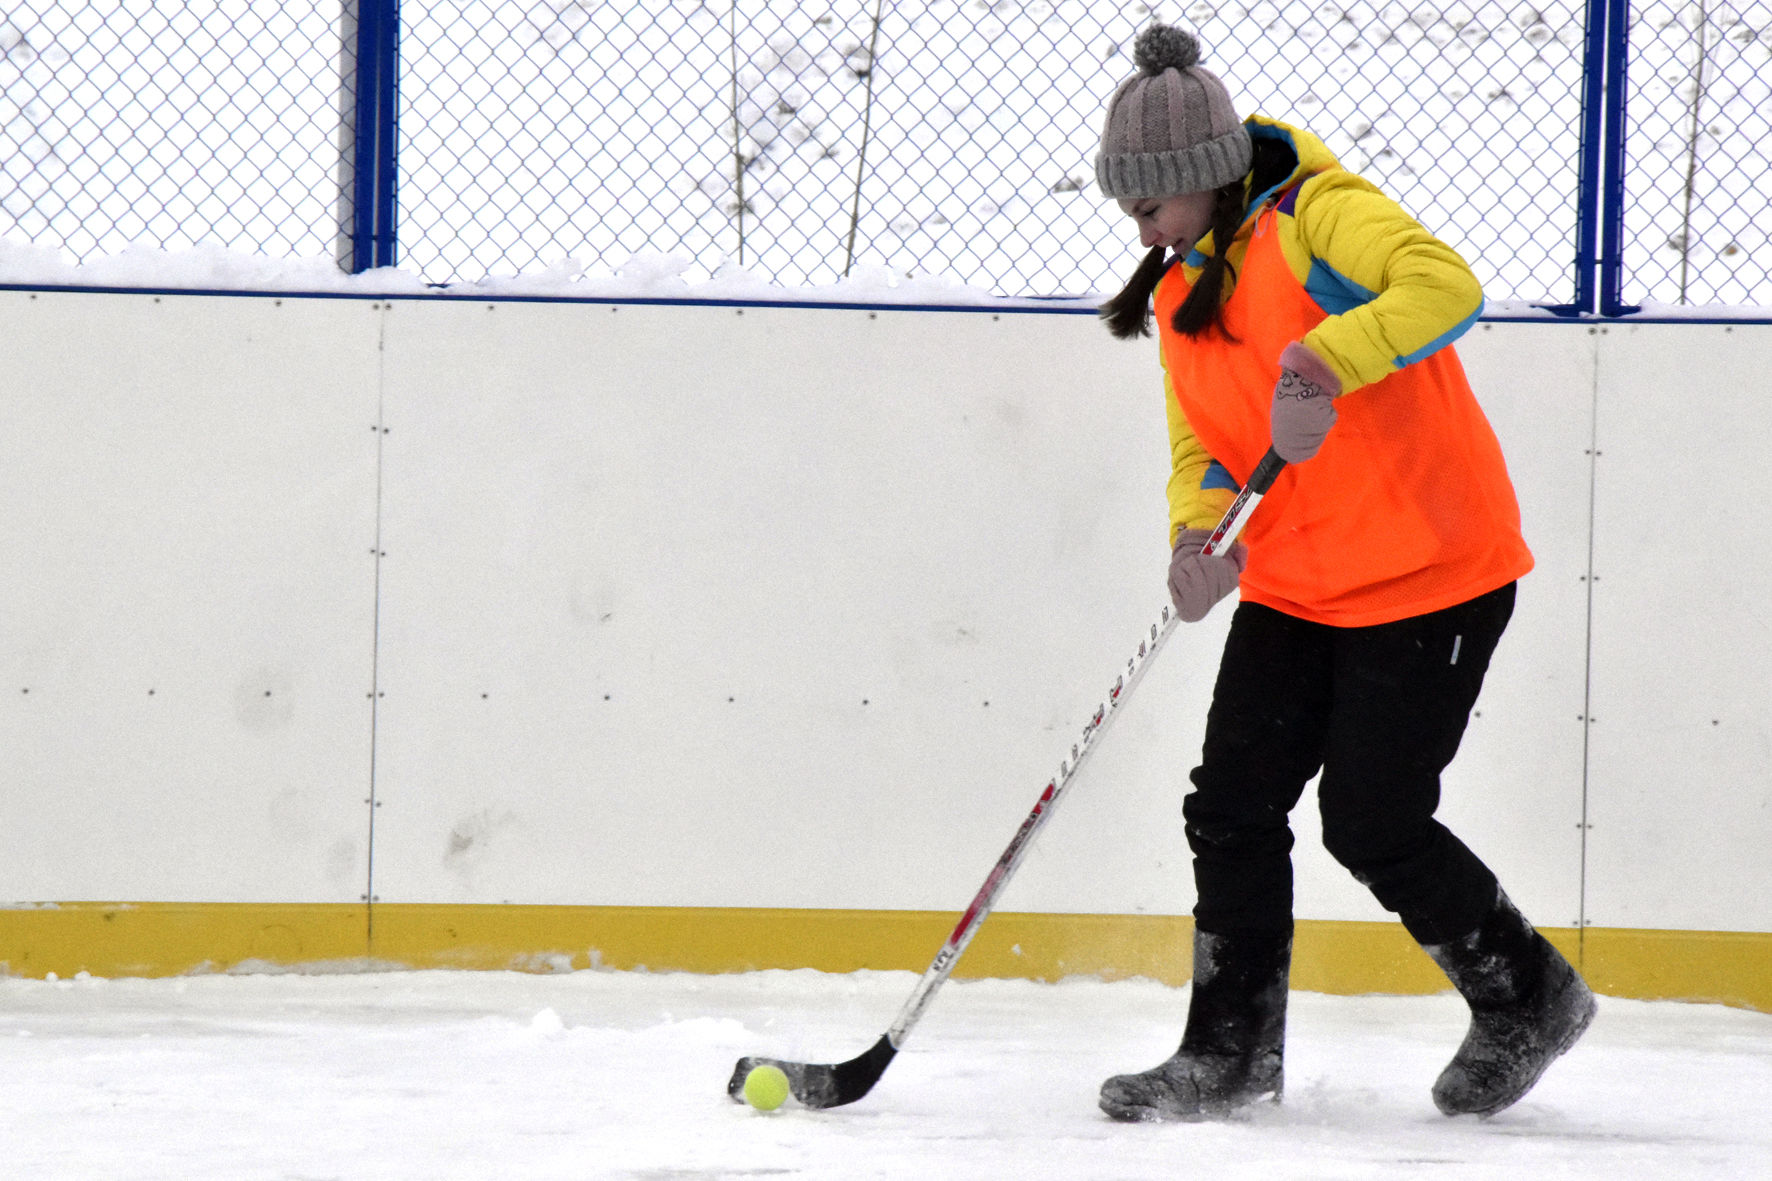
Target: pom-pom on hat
point(1171, 128)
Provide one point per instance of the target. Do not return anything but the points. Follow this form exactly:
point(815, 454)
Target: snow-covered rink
point(622, 1075)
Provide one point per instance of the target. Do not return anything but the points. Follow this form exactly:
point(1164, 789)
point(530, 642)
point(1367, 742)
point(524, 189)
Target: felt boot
point(1528, 1006)
point(1232, 1051)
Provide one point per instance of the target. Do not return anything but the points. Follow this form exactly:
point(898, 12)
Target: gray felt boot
point(1232, 1052)
point(1528, 1006)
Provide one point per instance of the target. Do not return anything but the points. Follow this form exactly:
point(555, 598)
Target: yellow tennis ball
point(766, 1087)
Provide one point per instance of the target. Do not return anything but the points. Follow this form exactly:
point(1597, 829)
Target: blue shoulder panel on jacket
point(1441, 341)
point(1333, 291)
point(1218, 476)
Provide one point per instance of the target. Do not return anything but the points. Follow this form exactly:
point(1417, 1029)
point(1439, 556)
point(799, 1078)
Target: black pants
point(1380, 711)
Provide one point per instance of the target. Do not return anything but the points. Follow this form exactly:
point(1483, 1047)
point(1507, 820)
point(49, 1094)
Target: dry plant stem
point(1692, 148)
point(867, 116)
point(738, 160)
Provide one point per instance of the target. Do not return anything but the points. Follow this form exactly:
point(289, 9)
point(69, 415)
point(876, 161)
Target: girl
point(1300, 308)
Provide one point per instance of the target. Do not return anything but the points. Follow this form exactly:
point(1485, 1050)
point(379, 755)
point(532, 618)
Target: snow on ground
point(441, 1075)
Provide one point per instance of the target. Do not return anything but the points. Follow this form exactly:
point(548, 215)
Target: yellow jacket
point(1393, 293)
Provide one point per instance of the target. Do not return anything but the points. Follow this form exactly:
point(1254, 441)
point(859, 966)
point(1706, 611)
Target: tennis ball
point(766, 1087)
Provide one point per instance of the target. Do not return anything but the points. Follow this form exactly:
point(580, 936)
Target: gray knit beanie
point(1171, 128)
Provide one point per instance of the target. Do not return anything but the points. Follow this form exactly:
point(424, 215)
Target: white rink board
point(1680, 775)
point(703, 606)
point(700, 605)
point(637, 594)
point(188, 628)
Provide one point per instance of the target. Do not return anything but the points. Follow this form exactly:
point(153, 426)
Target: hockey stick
point(838, 1083)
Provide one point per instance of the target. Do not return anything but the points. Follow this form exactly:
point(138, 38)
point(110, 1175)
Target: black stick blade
point(820, 1085)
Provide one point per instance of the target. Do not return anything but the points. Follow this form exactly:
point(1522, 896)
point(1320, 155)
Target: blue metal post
point(1612, 198)
point(378, 94)
point(1588, 175)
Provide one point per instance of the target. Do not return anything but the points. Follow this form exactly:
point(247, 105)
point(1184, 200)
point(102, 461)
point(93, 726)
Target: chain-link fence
point(1699, 154)
point(1468, 114)
point(129, 121)
point(950, 136)
point(804, 142)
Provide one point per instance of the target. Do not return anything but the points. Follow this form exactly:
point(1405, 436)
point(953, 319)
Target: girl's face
point(1174, 223)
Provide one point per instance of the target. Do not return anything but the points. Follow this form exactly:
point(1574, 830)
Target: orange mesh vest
point(1407, 508)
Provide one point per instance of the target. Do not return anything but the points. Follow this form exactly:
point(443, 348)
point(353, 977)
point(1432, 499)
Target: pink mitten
point(1303, 408)
point(1196, 582)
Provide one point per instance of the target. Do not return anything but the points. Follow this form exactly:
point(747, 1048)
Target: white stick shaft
point(986, 898)
point(1232, 524)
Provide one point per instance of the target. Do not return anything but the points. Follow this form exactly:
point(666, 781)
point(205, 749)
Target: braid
point(1128, 314)
point(1203, 309)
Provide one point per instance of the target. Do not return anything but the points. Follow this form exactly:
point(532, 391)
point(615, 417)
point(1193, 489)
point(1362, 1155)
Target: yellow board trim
point(1728, 967)
point(172, 938)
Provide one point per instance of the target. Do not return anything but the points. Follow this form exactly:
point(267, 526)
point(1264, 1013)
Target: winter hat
point(1171, 128)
